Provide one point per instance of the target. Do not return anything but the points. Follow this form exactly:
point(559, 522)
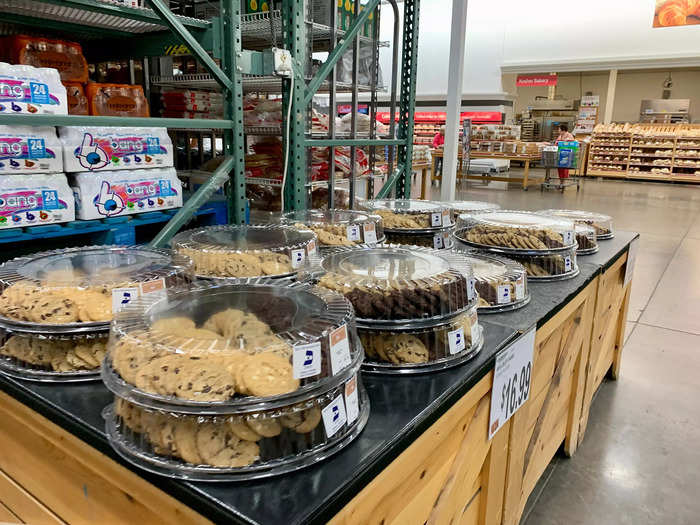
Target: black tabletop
point(401, 409)
point(611, 250)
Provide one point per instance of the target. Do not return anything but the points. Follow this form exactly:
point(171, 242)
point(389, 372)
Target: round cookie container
point(338, 227)
point(552, 267)
point(460, 207)
point(405, 349)
point(234, 252)
point(52, 358)
point(410, 216)
point(391, 285)
point(586, 239)
point(255, 443)
point(602, 224)
point(76, 290)
point(501, 283)
point(220, 348)
point(439, 239)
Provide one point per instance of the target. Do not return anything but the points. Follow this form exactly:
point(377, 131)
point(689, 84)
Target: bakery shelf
point(691, 157)
point(91, 13)
point(650, 164)
point(609, 144)
point(622, 162)
point(651, 155)
point(652, 146)
point(603, 173)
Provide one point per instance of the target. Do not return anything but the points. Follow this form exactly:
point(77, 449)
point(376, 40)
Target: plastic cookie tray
point(391, 285)
point(76, 290)
point(602, 224)
point(52, 358)
point(501, 283)
point(516, 232)
point(235, 252)
point(406, 215)
point(586, 239)
point(338, 227)
point(406, 350)
point(460, 207)
point(438, 239)
point(227, 447)
point(551, 267)
point(226, 348)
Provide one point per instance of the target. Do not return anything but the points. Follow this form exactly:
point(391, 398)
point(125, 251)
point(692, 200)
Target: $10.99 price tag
point(511, 380)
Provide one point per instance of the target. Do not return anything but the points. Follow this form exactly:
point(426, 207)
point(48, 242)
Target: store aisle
point(638, 463)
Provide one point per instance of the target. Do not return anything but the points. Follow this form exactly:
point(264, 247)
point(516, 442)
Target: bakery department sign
point(536, 80)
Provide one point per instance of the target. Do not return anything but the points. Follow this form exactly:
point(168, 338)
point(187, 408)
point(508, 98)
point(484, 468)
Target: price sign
point(352, 403)
point(340, 349)
point(568, 265)
point(568, 237)
point(298, 257)
point(370, 233)
point(353, 232)
point(511, 380)
point(631, 259)
point(435, 219)
point(504, 294)
point(334, 416)
point(471, 289)
point(456, 340)
point(520, 288)
point(438, 241)
point(306, 360)
point(123, 296)
point(446, 220)
point(311, 247)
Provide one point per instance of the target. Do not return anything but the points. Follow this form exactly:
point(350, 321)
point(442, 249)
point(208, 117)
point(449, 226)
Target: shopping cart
point(563, 155)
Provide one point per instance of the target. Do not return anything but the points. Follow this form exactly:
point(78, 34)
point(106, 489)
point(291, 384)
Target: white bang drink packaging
point(35, 200)
point(33, 90)
point(29, 149)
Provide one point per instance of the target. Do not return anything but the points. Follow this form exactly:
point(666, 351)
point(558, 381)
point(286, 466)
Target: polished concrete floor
point(640, 460)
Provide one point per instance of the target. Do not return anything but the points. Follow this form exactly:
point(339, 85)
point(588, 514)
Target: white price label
point(569, 237)
point(157, 286)
point(352, 403)
point(311, 248)
point(511, 380)
point(436, 219)
point(471, 289)
point(504, 294)
point(353, 232)
point(334, 416)
point(306, 360)
point(567, 264)
point(474, 328)
point(631, 259)
point(520, 288)
point(446, 220)
point(456, 340)
point(123, 296)
point(298, 257)
point(370, 233)
point(340, 349)
point(438, 241)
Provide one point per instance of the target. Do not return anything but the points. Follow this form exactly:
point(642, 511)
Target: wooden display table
point(526, 159)
point(423, 457)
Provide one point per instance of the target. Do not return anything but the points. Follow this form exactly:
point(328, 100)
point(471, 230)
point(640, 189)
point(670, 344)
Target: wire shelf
point(96, 14)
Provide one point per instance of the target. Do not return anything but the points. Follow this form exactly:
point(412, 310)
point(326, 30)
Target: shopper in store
point(564, 136)
point(438, 143)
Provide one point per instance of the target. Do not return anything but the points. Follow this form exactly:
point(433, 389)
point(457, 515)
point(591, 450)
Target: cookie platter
point(410, 216)
point(439, 239)
point(553, 267)
point(76, 290)
point(460, 207)
point(52, 358)
point(501, 283)
point(233, 252)
point(586, 239)
point(338, 227)
point(602, 224)
point(243, 446)
point(407, 300)
point(222, 348)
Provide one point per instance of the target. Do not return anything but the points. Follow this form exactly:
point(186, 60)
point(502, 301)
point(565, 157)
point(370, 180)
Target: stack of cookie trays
point(415, 222)
point(234, 381)
point(55, 307)
point(338, 227)
point(415, 307)
point(545, 246)
point(234, 253)
point(500, 282)
point(460, 207)
point(602, 224)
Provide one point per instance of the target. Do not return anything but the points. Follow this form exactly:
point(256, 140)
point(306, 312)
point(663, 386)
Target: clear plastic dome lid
point(410, 214)
point(81, 287)
point(516, 231)
point(396, 283)
point(500, 282)
point(338, 227)
point(473, 206)
point(586, 238)
point(231, 345)
point(233, 251)
point(600, 222)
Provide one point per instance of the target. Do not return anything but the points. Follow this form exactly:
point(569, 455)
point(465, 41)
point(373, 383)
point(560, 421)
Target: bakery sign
point(536, 80)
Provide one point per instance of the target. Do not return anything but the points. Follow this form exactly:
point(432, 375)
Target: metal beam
point(352, 142)
point(176, 26)
point(202, 195)
point(85, 120)
point(338, 52)
point(389, 184)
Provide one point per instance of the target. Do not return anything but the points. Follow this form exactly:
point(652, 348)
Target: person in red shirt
point(438, 142)
point(564, 136)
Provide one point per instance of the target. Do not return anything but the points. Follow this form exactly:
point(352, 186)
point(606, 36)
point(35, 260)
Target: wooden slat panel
point(6, 515)
point(74, 480)
point(24, 505)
